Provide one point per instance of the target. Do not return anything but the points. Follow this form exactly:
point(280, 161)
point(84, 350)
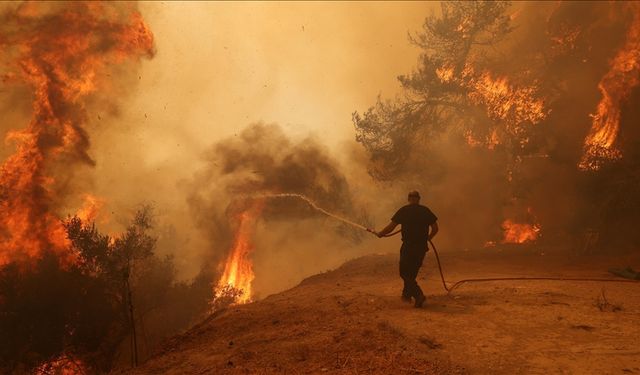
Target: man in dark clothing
point(416, 221)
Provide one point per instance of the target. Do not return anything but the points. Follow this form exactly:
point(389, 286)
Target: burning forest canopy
point(517, 124)
point(538, 100)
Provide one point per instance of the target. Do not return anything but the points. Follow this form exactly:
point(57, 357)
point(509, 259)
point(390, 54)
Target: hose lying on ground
point(457, 284)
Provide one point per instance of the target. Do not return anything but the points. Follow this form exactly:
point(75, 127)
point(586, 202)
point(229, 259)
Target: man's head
point(414, 197)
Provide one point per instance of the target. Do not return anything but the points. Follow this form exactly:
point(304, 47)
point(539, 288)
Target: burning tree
point(500, 94)
point(449, 89)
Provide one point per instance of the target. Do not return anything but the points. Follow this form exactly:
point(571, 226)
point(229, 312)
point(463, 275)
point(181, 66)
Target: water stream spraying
point(314, 206)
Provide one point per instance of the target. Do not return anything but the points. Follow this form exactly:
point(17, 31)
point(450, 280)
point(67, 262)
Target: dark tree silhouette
point(437, 94)
point(52, 313)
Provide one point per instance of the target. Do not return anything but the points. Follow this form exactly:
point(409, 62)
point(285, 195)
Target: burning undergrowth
point(261, 172)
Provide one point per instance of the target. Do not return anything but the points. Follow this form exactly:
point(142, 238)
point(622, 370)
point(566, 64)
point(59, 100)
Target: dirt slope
point(351, 320)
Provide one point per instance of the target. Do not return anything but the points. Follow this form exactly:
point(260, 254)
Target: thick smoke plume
point(255, 166)
point(64, 53)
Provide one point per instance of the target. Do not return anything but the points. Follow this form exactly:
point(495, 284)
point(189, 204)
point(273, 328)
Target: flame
point(506, 102)
point(519, 232)
point(445, 73)
point(238, 268)
point(493, 140)
point(512, 105)
point(470, 139)
point(63, 365)
point(615, 86)
point(91, 208)
point(60, 55)
point(490, 141)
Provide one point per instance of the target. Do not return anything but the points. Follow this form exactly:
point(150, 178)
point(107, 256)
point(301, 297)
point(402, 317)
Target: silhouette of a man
point(419, 225)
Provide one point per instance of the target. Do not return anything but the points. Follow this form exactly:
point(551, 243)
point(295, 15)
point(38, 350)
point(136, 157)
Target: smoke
point(257, 165)
point(219, 65)
point(586, 86)
point(481, 157)
point(208, 80)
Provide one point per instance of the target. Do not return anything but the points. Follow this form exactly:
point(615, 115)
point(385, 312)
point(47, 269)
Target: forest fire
point(511, 105)
point(238, 267)
point(154, 203)
point(519, 232)
point(615, 87)
point(61, 56)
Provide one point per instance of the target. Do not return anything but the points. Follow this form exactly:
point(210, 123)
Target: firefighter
point(419, 225)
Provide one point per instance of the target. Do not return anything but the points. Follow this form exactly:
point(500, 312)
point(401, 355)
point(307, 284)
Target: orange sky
point(220, 66)
point(304, 65)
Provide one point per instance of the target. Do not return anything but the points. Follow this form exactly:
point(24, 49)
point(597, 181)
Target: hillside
point(351, 320)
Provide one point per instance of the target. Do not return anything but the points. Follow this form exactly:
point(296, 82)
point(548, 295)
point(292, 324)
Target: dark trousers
point(411, 258)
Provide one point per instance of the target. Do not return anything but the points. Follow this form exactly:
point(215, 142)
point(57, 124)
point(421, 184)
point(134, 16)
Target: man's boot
point(420, 301)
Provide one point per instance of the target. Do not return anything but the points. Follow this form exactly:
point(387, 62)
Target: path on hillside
point(351, 320)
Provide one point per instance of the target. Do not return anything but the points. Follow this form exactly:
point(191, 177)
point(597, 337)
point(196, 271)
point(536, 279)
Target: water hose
point(457, 284)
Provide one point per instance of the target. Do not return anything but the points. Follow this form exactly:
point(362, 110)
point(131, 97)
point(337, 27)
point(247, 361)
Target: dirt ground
point(352, 321)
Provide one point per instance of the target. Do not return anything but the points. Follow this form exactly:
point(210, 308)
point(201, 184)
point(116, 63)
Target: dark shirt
point(415, 220)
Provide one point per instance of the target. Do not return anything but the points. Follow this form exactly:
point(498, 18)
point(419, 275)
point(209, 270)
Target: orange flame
point(63, 365)
point(511, 104)
point(60, 55)
point(91, 208)
point(505, 101)
point(238, 269)
point(519, 232)
point(615, 86)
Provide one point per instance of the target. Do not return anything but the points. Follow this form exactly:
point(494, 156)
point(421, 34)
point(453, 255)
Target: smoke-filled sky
point(306, 66)
point(222, 66)
point(516, 121)
point(218, 68)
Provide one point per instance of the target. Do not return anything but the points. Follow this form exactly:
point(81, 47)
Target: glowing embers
point(519, 232)
point(63, 365)
point(615, 86)
point(490, 141)
point(238, 268)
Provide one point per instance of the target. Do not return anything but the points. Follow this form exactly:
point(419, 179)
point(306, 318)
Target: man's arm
point(434, 230)
point(388, 229)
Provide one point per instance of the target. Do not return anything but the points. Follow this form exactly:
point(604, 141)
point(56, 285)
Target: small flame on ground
point(519, 232)
point(489, 244)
